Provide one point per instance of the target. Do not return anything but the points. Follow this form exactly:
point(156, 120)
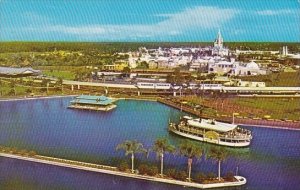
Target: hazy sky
point(149, 20)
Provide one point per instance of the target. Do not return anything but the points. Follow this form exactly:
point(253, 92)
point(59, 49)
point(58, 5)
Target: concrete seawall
point(113, 171)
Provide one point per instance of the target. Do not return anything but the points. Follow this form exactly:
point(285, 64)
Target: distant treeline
point(112, 47)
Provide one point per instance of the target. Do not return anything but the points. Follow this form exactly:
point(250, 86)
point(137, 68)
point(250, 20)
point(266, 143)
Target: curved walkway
point(113, 171)
point(34, 98)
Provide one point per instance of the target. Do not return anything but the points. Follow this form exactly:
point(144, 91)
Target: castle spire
point(219, 40)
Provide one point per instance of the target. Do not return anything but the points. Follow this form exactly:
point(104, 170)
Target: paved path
point(113, 171)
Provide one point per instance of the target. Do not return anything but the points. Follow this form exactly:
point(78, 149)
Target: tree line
point(112, 47)
point(162, 146)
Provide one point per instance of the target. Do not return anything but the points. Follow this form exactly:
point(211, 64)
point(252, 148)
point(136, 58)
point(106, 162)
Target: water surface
point(48, 127)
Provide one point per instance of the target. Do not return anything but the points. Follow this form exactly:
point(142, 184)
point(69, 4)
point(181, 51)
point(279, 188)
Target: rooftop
point(209, 125)
point(92, 100)
point(17, 71)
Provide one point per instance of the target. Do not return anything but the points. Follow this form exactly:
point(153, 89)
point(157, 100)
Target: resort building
point(117, 66)
point(235, 68)
point(240, 83)
point(222, 67)
point(251, 68)
point(11, 72)
point(98, 103)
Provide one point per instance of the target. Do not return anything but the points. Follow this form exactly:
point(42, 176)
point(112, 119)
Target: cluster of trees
point(178, 77)
point(13, 150)
point(162, 146)
point(53, 59)
point(97, 54)
point(265, 46)
point(9, 86)
point(114, 47)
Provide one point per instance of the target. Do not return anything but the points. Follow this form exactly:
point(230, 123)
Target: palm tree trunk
point(190, 168)
point(132, 163)
point(219, 171)
point(161, 164)
point(47, 87)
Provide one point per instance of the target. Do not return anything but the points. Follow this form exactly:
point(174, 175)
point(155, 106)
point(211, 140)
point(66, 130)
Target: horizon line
point(17, 41)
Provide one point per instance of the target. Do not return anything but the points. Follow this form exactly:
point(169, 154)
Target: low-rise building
point(235, 68)
point(12, 72)
point(240, 83)
point(251, 68)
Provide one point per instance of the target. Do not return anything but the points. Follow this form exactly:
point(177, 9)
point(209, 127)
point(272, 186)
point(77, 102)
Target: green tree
point(1, 84)
point(190, 151)
point(211, 76)
point(45, 83)
point(143, 65)
point(161, 146)
point(59, 82)
point(220, 155)
point(170, 78)
point(178, 76)
point(126, 70)
point(131, 147)
point(13, 86)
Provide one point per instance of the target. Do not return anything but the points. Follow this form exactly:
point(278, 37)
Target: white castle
point(218, 48)
point(218, 41)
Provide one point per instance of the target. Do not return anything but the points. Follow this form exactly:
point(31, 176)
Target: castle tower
point(285, 51)
point(219, 41)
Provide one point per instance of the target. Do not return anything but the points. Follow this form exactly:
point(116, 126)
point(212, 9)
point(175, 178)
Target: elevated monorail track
point(225, 89)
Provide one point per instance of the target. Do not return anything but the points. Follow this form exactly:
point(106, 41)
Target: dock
point(96, 103)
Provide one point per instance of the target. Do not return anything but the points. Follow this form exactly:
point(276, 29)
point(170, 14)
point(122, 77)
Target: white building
point(251, 68)
point(235, 68)
point(220, 67)
point(240, 83)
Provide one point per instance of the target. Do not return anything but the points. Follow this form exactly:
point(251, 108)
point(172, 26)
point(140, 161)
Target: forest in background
point(112, 47)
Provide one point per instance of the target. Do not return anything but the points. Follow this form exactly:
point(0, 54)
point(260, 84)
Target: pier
point(114, 171)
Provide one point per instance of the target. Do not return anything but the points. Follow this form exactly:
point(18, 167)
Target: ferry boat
point(211, 131)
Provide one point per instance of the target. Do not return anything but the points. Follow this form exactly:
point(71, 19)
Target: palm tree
point(45, 82)
point(1, 83)
point(190, 151)
point(220, 155)
point(60, 83)
point(31, 84)
point(13, 86)
point(131, 147)
point(161, 146)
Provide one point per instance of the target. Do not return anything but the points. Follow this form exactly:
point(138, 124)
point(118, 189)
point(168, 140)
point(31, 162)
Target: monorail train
point(166, 86)
point(205, 86)
point(148, 85)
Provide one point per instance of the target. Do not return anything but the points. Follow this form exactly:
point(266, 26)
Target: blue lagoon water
point(48, 127)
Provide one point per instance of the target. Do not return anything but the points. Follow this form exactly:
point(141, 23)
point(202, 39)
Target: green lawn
point(277, 79)
point(276, 107)
point(68, 75)
point(20, 91)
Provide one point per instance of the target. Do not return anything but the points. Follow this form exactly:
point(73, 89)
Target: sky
point(149, 20)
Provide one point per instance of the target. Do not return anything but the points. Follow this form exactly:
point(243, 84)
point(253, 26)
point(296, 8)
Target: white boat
point(211, 131)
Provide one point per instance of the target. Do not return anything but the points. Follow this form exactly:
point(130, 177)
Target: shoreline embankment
point(255, 122)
